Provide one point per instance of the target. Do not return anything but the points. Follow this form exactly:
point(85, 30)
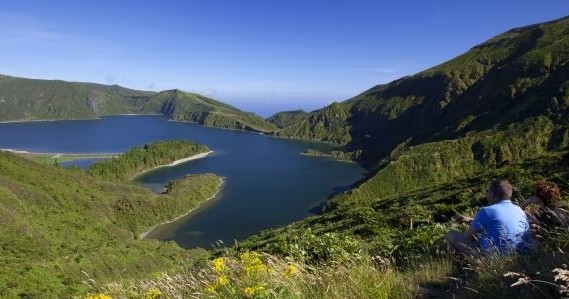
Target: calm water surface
point(267, 182)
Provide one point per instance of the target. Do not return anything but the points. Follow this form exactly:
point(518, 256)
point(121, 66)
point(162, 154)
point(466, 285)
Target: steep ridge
point(32, 99)
point(183, 106)
point(519, 74)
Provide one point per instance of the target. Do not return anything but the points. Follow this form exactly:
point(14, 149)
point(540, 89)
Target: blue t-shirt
point(503, 225)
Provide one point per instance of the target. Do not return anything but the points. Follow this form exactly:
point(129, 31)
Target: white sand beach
point(219, 187)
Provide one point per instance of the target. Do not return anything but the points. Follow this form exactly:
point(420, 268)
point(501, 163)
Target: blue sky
point(261, 56)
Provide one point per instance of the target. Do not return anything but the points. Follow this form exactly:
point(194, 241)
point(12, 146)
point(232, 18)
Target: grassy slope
point(60, 227)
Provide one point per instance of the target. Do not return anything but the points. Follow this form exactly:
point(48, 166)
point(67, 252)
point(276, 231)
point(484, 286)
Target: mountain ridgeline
point(32, 99)
point(521, 74)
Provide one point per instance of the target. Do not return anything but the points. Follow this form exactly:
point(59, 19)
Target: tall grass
point(256, 275)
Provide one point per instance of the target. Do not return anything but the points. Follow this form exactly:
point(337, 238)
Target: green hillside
point(519, 74)
point(32, 99)
point(29, 99)
point(183, 106)
point(329, 124)
point(61, 227)
point(287, 118)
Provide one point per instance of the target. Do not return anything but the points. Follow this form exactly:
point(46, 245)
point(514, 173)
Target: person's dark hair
point(501, 189)
point(548, 192)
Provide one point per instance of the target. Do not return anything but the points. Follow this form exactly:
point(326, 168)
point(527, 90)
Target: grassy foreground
point(357, 275)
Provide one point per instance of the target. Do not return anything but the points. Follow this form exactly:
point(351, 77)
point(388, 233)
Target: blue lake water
point(267, 182)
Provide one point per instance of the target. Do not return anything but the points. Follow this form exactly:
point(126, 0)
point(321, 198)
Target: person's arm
point(530, 200)
point(464, 219)
point(476, 224)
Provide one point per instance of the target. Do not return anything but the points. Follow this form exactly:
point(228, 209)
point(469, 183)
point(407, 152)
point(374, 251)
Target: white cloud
point(391, 68)
point(110, 79)
point(18, 30)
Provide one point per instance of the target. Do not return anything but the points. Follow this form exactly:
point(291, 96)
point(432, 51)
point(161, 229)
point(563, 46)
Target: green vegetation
point(61, 227)
point(516, 75)
point(51, 159)
point(183, 106)
point(434, 140)
point(394, 225)
point(159, 153)
point(329, 124)
point(287, 118)
point(334, 154)
point(254, 275)
point(30, 99)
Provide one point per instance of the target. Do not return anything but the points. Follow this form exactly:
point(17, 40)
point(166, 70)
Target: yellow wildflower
point(98, 296)
point(254, 291)
point(219, 265)
point(153, 293)
point(290, 270)
point(249, 291)
point(210, 288)
point(222, 280)
point(252, 263)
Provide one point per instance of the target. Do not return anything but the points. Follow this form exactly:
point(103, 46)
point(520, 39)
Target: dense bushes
point(150, 155)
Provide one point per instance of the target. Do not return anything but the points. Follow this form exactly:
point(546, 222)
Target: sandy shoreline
point(56, 154)
point(74, 119)
point(179, 161)
point(221, 182)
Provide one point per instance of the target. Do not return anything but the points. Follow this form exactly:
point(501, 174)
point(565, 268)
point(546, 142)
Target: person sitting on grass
point(548, 214)
point(500, 228)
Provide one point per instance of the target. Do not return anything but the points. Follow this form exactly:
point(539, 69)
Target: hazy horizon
point(260, 56)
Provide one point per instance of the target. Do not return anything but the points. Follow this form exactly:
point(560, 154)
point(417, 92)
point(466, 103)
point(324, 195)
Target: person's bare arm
point(464, 219)
point(530, 200)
